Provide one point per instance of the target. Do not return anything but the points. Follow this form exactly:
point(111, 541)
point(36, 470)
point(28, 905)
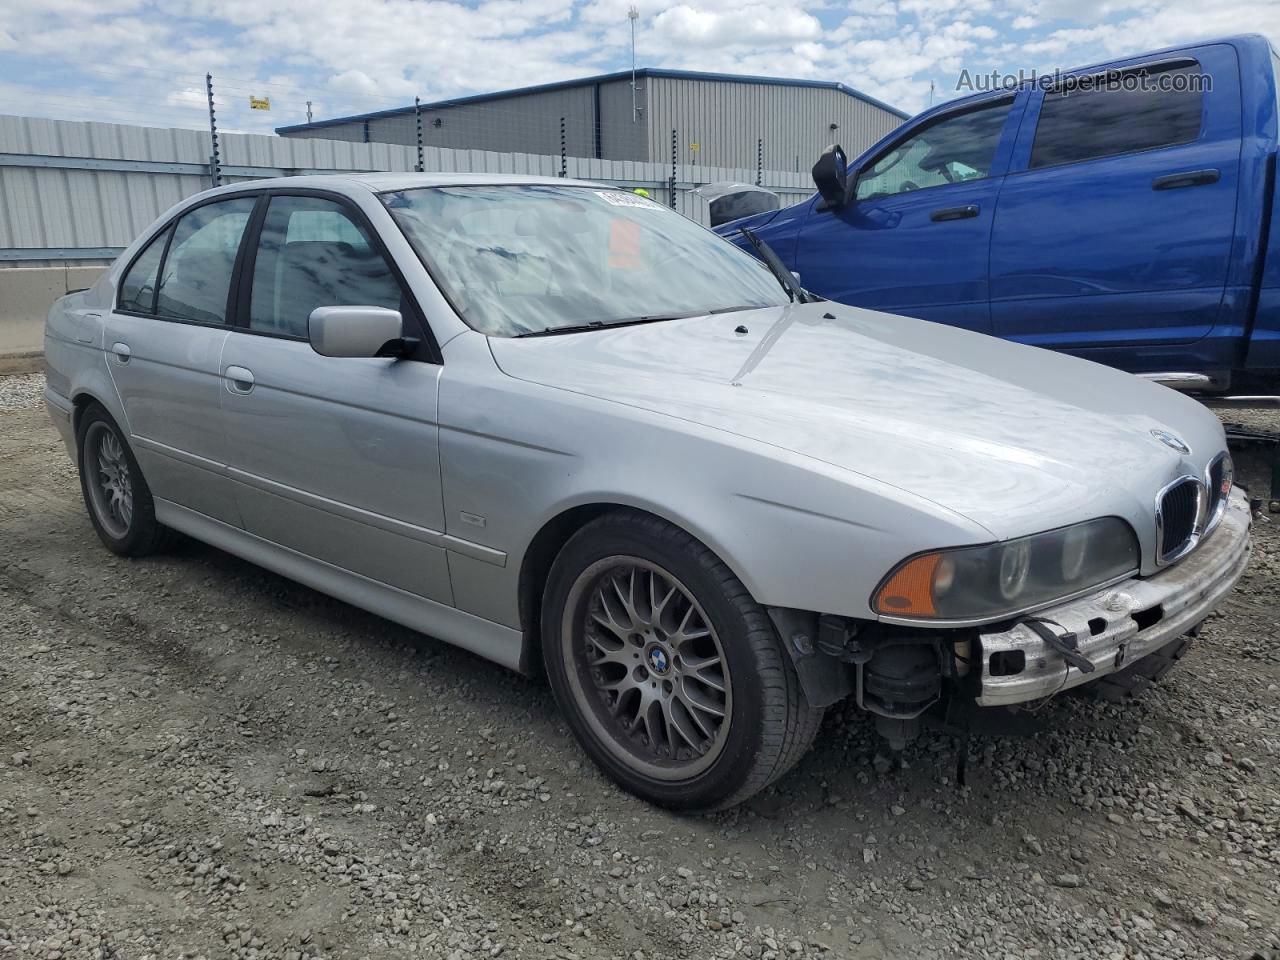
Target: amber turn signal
point(910, 591)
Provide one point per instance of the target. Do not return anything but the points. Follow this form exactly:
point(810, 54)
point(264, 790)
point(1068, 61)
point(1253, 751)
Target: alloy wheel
point(109, 480)
point(648, 667)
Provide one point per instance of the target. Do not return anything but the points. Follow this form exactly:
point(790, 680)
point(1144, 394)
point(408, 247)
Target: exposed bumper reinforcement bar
point(1123, 623)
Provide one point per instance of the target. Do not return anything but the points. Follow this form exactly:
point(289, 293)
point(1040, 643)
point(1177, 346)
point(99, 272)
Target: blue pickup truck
point(1124, 212)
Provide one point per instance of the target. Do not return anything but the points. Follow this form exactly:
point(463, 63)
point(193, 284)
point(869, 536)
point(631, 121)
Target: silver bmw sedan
point(562, 426)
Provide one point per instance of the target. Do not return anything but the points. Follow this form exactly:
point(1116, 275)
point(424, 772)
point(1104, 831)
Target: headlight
point(1000, 579)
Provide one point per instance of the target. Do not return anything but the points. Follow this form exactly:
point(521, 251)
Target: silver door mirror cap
point(357, 331)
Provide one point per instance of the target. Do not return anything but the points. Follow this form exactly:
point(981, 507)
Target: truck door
point(1114, 225)
point(914, 240)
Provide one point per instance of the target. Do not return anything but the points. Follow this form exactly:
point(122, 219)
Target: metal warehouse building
point(718, 120)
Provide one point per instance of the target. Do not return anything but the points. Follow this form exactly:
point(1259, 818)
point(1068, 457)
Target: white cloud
point(353, 57)
point(192, 97)
point(746, 25)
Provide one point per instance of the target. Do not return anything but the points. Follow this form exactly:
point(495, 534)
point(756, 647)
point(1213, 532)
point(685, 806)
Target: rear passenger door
point(1115, 222)
point(164, 339)
point(336, 458)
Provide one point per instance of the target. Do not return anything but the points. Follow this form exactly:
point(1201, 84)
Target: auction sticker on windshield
point(619, 199)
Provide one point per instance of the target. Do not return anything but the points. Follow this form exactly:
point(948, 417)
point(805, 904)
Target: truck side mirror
point(831, 175)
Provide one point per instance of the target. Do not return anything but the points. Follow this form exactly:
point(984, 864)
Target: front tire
point(670, 674)
point(115, 492)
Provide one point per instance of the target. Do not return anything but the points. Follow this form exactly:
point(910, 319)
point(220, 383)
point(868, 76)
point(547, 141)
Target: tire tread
point(147, 535)
point(788, 724)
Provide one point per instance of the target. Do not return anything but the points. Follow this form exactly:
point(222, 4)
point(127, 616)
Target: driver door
point(915, 238)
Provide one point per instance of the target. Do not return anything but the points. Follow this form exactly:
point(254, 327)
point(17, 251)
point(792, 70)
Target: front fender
point(799, 533)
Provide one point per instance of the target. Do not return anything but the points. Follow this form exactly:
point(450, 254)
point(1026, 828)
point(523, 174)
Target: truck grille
point(1179, 512)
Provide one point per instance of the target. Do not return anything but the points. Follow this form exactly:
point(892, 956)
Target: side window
point(312, 254)
point(196, 277)
point(1275, 70)
point(138, 288)
point(954, 149)
point(1138, 110)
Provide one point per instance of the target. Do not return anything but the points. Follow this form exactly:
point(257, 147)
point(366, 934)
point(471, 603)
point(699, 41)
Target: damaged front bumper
point(1121, 624)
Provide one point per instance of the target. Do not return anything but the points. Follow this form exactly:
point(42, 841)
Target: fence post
point(564, 151)
point(674, 158)
point(215, 162)
point(417, 119)
point(759, 161)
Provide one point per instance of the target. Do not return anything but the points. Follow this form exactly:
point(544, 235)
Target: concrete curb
point(13, 364)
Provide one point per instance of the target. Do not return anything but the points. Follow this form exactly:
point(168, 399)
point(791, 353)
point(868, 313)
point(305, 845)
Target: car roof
point(383, 182)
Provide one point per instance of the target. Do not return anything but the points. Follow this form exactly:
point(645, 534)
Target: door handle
point(121, 351)
point(239, 379)
point(1190, 178)
point(966, 212)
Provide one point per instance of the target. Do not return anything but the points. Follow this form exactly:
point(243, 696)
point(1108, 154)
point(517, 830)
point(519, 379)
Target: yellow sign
point(694, 146)
point(259, 103)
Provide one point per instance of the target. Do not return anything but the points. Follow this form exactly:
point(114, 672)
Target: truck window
point(956, 148)
point(1275, 70)
point(1143, 110)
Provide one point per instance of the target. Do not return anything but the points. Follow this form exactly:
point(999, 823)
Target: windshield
point(529, 258)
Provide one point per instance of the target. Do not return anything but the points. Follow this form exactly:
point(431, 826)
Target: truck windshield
point(531, 258)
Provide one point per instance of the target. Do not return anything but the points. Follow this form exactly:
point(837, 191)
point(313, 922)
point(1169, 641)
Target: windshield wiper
point(771, 260)
point(604, 324)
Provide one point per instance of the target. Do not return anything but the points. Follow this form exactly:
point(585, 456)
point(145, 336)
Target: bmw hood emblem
point(1171, 441)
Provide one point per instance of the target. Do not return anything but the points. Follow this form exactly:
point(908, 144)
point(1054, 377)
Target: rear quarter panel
point(75, 363)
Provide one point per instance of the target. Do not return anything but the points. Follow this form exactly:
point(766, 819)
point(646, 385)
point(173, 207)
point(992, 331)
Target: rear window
point(138, 288)
point(1139, 110)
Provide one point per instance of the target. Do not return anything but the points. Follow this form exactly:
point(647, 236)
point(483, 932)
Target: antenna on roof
point(633, 15)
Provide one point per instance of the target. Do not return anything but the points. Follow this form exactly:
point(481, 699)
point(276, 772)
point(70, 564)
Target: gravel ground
point(201, 759)
point(21, 392)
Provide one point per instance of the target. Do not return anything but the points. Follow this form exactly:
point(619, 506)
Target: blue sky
point(135, 61)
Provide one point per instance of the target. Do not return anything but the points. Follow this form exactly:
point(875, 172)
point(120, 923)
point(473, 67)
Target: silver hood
point(1015, 438)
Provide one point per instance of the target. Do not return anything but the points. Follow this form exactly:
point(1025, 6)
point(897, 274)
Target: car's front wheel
point(671, 675)
point(115, 492)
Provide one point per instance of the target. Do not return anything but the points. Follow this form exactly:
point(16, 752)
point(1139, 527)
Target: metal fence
point(79, 192)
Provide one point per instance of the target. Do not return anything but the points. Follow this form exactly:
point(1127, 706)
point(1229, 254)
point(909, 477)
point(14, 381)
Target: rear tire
point(115, 492)
point(671, 676)
point(1134, 680)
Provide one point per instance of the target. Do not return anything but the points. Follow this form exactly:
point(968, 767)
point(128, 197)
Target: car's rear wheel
point(115, 492)
point(672, 677)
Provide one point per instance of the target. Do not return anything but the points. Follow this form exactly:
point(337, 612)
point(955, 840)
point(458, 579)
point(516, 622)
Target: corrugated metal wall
point(51, 207)
point(727, 119)
point(623, 137)
point(529, 123)
point(79, 192)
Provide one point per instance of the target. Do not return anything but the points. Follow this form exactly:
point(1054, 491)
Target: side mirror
point(356, 332)
point(831, 175)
